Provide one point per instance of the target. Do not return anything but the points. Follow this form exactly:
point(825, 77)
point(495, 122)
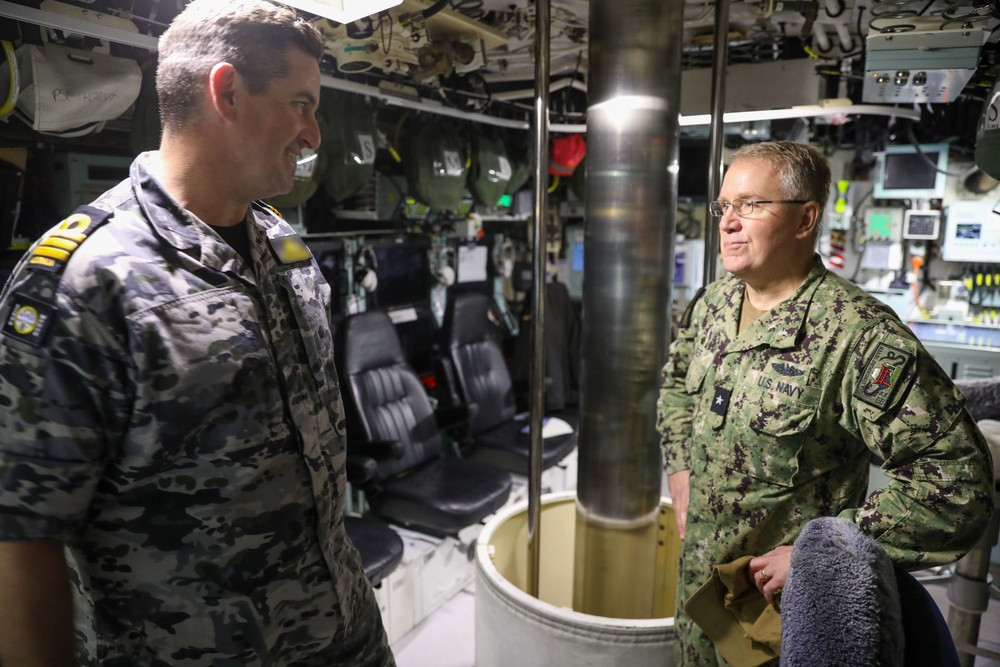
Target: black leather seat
point(483, 381)
point(562, 354)
point(381, 548)
point(928, 641)
point(394, 434)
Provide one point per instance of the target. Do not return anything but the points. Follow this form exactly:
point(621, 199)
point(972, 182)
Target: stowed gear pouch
point(72, 92)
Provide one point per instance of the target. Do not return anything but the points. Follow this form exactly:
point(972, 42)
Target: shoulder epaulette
point(54, 250)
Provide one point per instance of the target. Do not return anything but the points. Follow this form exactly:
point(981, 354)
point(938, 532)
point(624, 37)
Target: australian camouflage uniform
point(777, 426)
point(173, 415)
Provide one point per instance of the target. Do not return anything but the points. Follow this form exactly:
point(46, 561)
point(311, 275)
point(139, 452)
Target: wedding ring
point(764, 577)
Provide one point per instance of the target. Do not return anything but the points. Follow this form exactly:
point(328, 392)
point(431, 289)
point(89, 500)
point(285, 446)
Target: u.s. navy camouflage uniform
point(777, 425)
point(173, 415)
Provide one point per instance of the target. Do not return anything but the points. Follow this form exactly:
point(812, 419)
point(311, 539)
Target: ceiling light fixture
point(342, 11)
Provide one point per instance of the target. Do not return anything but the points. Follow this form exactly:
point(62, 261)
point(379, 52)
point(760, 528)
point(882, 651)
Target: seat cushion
point(443, 496)
point(381, 548)
point(507, 447)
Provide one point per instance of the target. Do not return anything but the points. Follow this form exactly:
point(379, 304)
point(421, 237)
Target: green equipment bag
point(520, 163)
point(434, 162)
point(349, 143)
point(490, 170)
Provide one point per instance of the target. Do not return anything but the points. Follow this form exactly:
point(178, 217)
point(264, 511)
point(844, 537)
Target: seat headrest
point(466, 319)
point(370, 341)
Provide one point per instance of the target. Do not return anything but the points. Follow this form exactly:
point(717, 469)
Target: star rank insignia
point(880, 380)
point(720, 402)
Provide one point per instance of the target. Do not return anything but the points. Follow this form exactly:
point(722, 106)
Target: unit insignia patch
point(29, 320)
point(880, 379)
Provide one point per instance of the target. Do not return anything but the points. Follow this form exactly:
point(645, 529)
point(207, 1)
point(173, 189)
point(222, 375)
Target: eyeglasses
point(745, 206)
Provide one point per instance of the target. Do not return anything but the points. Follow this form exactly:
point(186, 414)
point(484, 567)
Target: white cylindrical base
point(514, 629)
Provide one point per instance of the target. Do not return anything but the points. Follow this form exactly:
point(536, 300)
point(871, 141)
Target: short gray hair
point(803, 171)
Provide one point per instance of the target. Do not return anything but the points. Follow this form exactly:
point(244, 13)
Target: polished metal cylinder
point(632, 129)
point(541, 128)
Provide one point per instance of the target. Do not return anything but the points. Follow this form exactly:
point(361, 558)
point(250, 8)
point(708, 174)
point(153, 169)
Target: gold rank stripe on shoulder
point(56, 247)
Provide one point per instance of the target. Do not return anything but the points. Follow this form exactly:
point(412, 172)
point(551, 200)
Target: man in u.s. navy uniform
point(782, 382)
point(169, 407)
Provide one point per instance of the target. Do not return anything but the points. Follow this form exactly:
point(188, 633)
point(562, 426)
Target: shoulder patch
point(54, 250)
point(290, 249)
point(881, 378)
point(29, 320)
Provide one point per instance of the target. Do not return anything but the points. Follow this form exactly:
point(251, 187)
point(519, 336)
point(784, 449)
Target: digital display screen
point(921, 224)
point(910, 171)
point(968, 231)
point(577, 263)
point(692, 175)
point(404, 273)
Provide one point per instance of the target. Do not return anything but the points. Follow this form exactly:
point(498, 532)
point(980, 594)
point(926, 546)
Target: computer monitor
point(903, 172)
point(692, 176)
point(404, 272)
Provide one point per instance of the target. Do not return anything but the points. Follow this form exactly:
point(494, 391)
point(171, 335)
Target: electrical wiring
point(912, 137)
point(859, 250)
point(14, 89)
point(841, 7)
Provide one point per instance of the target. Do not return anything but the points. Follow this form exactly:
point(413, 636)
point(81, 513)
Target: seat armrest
point(380, 450)
point(456, 419)
point(449, 416)
point(361, 469)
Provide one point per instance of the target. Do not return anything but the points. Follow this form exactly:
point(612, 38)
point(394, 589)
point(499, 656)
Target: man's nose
point(310, 133)
point(729, 220)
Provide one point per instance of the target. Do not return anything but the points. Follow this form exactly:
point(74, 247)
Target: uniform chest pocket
point(207, 383)
point(698, 369)
point(699, 385)
point(777, 416)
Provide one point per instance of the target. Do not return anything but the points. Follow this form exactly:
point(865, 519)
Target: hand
point(770, 571)
point(678, 483)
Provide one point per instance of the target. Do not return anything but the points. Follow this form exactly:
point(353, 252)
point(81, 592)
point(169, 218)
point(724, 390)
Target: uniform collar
point(780, 327)
point(185, 231)
point(173, 222)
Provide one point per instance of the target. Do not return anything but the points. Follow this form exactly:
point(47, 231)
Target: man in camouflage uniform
point(169, 406)
point(783, 382)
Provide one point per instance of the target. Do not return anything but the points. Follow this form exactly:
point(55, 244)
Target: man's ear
point(222, 84)
point(809, 220)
